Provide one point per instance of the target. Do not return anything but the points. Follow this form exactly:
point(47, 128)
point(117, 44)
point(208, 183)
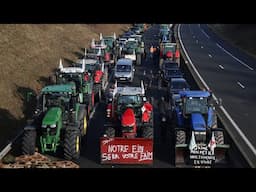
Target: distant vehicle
point(175, 86)
point(124, 70)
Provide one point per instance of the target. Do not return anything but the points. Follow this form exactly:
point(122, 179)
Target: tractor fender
point(72, 128)
point(82, 111)
point(29, 128)
point(217, 129)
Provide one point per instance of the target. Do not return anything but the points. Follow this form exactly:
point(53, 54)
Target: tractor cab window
point(196, 104)
point(56, 100)
point(129, 99)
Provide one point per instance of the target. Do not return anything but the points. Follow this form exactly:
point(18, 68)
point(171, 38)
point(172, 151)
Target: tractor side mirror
point(29, 96)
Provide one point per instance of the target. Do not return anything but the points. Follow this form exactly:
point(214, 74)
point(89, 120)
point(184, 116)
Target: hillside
point(242, 36)
point(29, 54)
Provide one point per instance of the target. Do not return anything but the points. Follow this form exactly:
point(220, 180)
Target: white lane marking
point(243, 63)
point(205, 34)
point(199, 25)
point(240, 84)
point(221, 66)
point(197, 41)
point(210, 55)
point(249, 144)
point(202, 47)
point(194, 36)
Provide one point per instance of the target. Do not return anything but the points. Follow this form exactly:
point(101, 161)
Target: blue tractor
point(198, 140)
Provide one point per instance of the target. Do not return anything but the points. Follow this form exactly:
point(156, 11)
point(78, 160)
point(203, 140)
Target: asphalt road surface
point(229, 72)
point(90, 154)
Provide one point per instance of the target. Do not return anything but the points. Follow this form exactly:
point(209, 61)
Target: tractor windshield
point(70, 77)
point(196, 105)
point(62, 100)
point(169, 48)
point(129, 99)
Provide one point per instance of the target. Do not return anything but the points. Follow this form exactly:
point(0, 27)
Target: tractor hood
point(128, 118)
point(52, 116)
point(198, 122)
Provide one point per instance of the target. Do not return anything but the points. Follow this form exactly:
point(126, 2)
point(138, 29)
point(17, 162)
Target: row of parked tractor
point(189, 115)
point(63, 108)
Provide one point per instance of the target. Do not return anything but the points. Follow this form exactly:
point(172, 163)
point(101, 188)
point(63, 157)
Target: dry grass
point(31, 52)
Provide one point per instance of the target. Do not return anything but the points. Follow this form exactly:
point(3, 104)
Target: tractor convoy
point(61, 117)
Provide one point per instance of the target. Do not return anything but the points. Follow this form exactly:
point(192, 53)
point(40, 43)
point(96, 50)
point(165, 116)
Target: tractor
point(106, 52)
point(129, 122)
point(96, 68)
point(84, 83)
point(58, 120)
point(134, 50)
point(198, 140)
point(169, 51)
point(111, 43)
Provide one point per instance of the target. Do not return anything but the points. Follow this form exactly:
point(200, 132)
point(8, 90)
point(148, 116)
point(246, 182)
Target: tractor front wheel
point(110, 132)
point(219, 137)
point(147, 132)
point(29, 142)
point(72, 142)
point(180, 137)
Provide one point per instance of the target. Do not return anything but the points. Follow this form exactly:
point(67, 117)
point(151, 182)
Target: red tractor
point(129, 126)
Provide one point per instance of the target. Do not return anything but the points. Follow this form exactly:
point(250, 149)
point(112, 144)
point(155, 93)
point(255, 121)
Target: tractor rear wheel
point(110, 132)
point(180, 137)
point(72, 142)
point(147, 132)
point(29, 142)
point(97, 89)
point(219, 137)
point(83, 119)
point(84, 124)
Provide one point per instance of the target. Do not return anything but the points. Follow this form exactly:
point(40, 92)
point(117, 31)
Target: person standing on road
point(163, 118)
point(151, 52)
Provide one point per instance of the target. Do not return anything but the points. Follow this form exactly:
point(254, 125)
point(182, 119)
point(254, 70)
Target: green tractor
point(58, 120)
point(83, 81)
point(133, 50)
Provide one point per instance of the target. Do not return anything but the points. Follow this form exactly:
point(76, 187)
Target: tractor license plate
point(126, 151)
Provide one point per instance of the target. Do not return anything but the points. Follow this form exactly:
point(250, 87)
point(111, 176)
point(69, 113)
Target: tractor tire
point(72, 142)
point(147, 132)
point(83, 118)
point(138, 59)
point(110, 132)
point(29, 142)
point(97, 89)
point(180, 137)
point(219, 137)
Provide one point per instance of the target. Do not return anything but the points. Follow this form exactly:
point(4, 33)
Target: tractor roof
point(194, 93)
point(130, 91)
point(72, 70)
point(66, 88)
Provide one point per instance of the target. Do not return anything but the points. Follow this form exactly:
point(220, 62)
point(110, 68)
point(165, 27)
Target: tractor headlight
point(163, 119)
point(44, 126)
point(53, 126)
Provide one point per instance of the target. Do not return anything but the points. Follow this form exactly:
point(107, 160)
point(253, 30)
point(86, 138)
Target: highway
point(228, 72)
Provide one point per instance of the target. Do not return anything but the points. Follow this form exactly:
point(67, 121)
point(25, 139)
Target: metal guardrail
point(9, 146)
point(243, 144)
